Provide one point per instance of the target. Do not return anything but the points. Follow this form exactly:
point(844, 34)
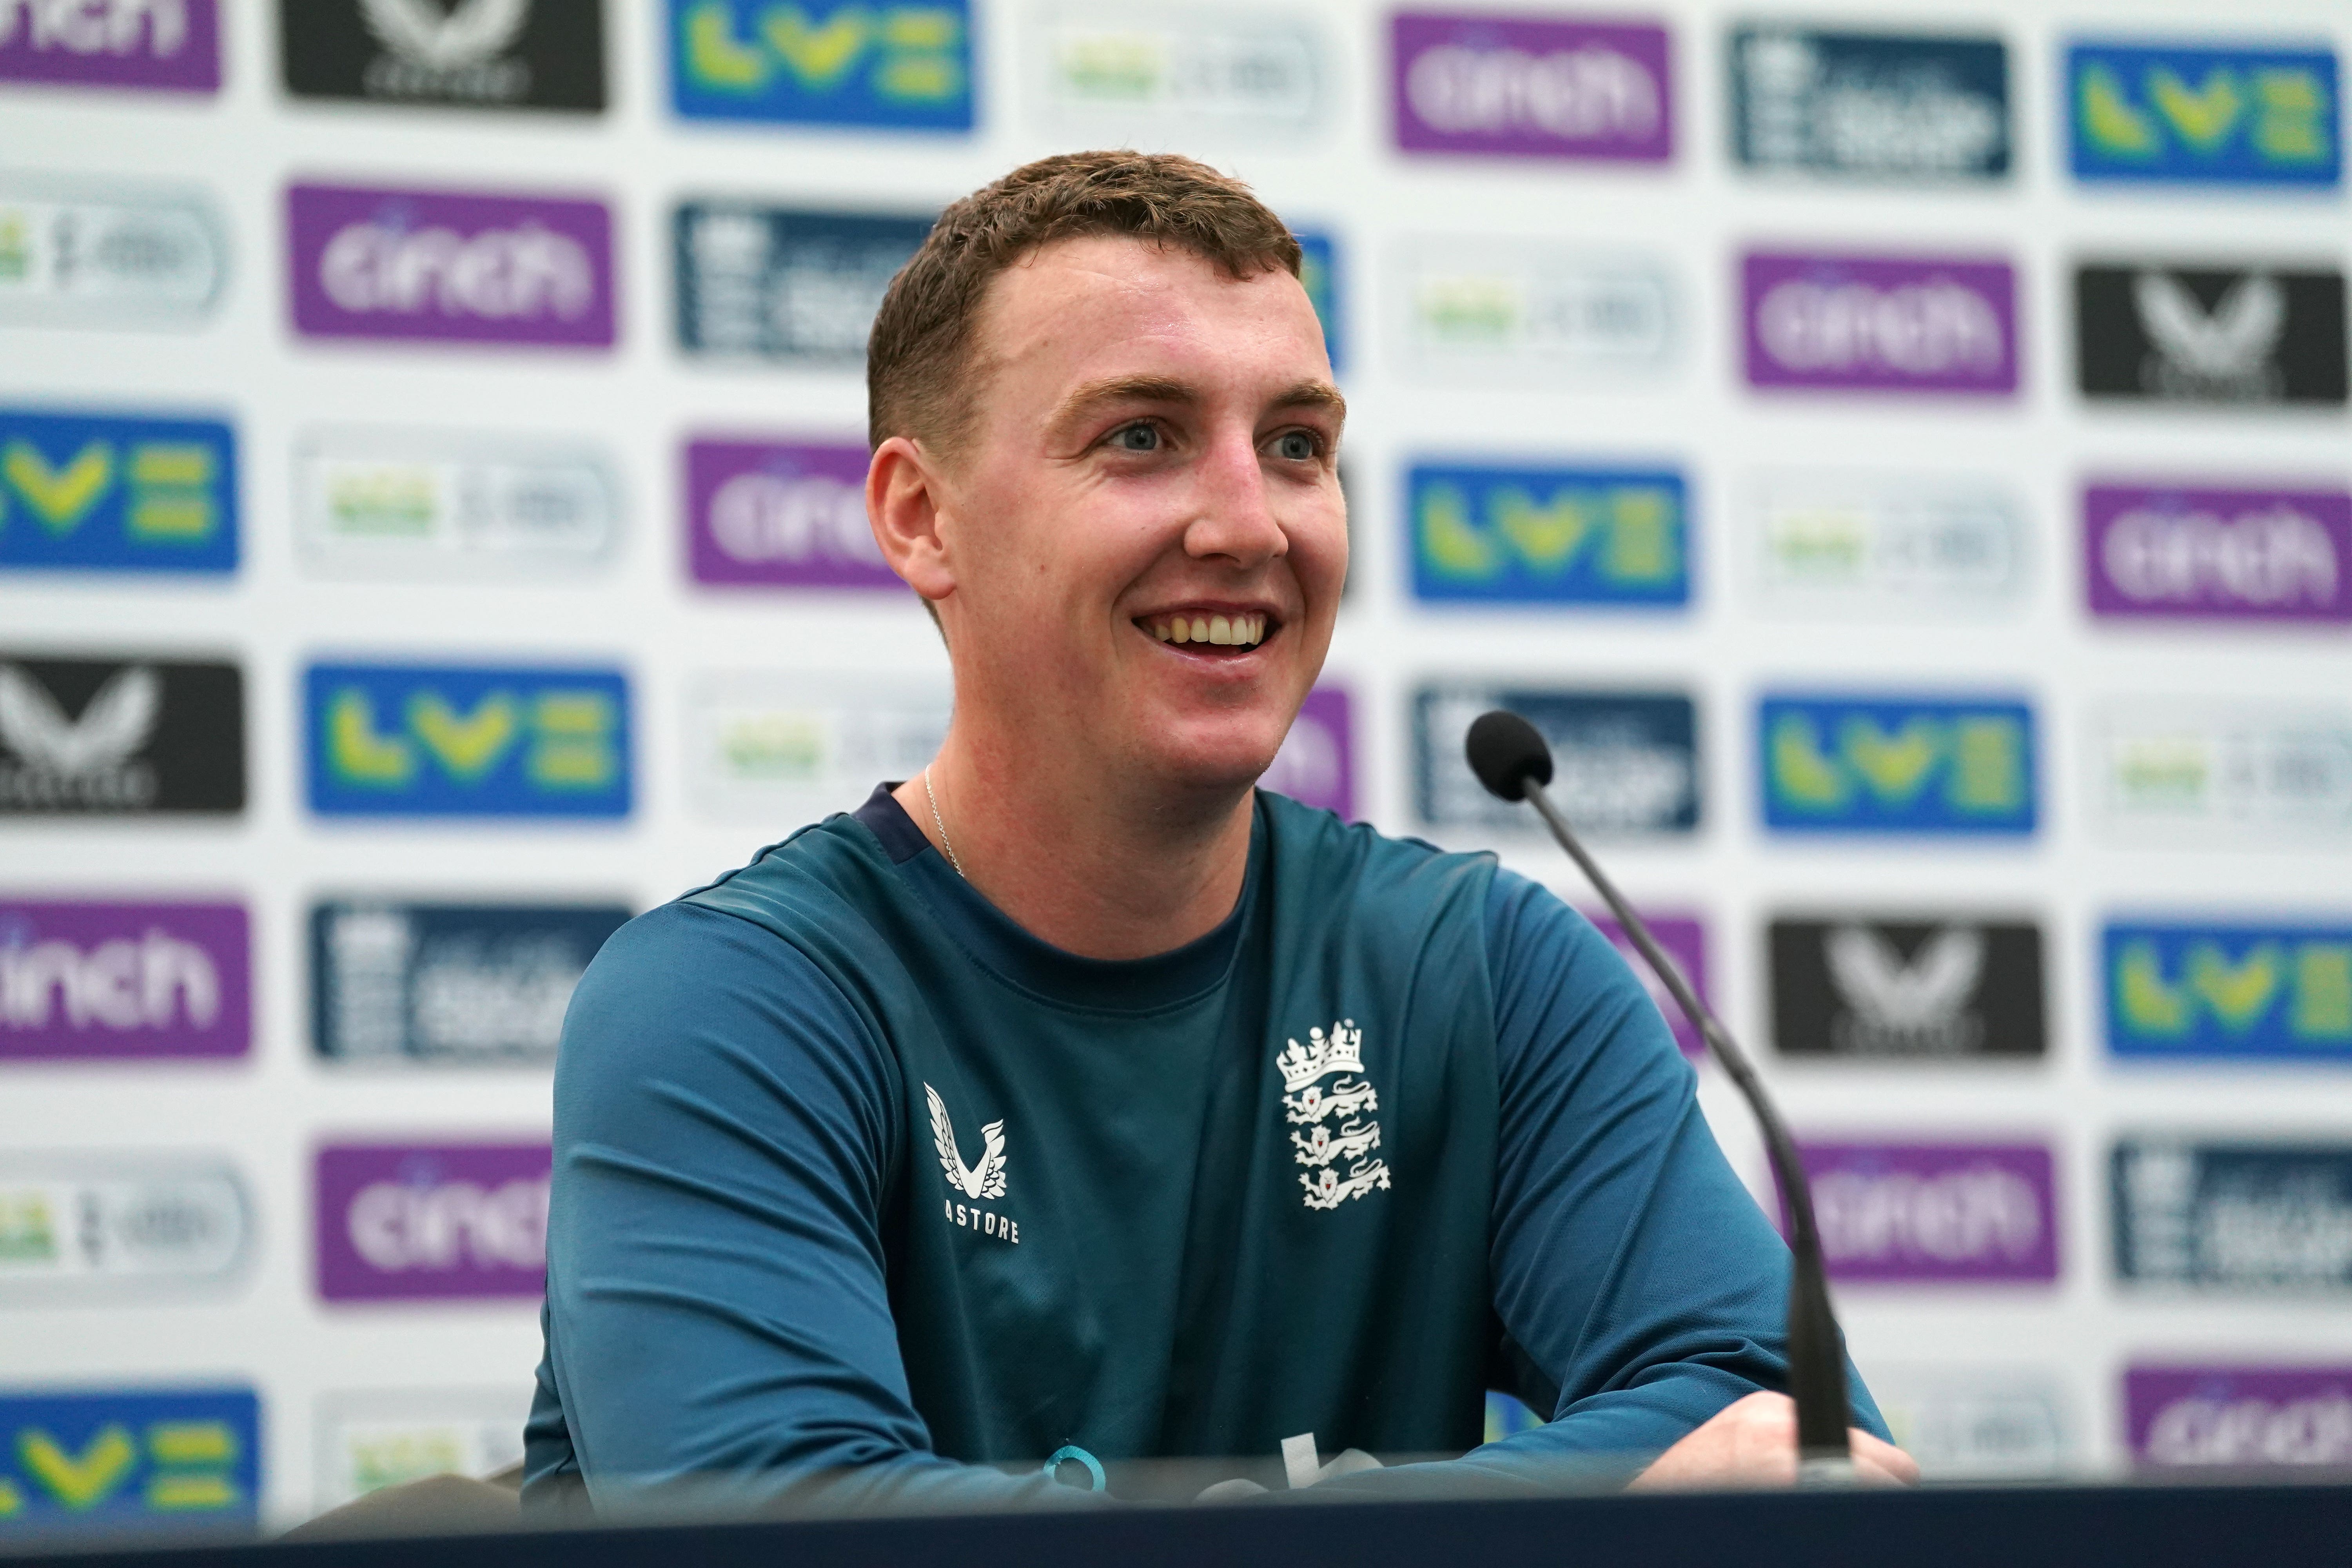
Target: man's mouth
point(1209, 633)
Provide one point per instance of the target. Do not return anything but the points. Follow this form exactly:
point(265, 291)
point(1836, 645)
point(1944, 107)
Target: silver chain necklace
point(945, 842)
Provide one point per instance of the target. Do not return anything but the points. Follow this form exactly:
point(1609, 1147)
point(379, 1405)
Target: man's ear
point(904, 498)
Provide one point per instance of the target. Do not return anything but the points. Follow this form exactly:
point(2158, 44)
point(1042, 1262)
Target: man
point(1075, 1101)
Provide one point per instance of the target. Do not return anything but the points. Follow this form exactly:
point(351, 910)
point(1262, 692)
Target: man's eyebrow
point(1123, 389)
point(1314, 395)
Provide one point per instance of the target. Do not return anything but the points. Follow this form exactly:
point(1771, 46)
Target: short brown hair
point(920, 349)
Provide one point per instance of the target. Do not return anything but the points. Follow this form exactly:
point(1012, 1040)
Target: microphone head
point(1507, 753)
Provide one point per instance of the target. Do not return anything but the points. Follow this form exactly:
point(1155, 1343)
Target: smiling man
point(1075, 1101)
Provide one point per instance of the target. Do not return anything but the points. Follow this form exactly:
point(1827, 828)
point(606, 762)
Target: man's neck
point(1077, 863)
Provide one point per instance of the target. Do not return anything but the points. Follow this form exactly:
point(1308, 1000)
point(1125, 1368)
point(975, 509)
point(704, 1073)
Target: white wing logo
point(2233, 340)
point(117, 723)
point(473, 32)
point(1930, 990)
point(987, 1179)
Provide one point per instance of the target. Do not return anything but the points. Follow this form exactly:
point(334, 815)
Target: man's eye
point(1297, 445)
point(1137, 439)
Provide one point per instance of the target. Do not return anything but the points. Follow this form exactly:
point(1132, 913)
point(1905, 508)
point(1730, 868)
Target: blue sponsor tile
point(1319, 274)
point(1881, 765)
point(97, 1462)
point(85, 493)
point(2185, 114)
point(906, 65)
point(1548, 536)
point(2178, 990)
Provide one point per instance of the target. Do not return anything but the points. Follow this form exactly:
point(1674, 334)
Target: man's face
point(1144, 526)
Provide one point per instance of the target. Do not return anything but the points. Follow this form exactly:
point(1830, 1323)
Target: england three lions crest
point(1336, 1116)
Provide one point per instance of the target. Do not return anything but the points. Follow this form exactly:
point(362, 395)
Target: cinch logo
point(1514, 86)
point(139, 257)
point(464, 1221)
point(1872, 105)
point(2205, 115)
point(795, 749)
point(1180, 71)
point(1934, 1212)
point(84, 493)
point(448, 982)
point(906, 66)
point(2226, 554)
point(786, 514)
point(2238, 1417)
point(98, 1228)
point(2260, 772)
point(1908, 990)
point(173, 45)
point(2279, 991)
point(784, 283)
point(2247, 1216)
point(1572, 536)
point(1624, 762)
point(1884, 546)
point(433, 266)
point(1316, 765)
point(1858, 765)
point(100, 1462)
point(100, 981)
point(488, 53)
point(439, 741)
point(2187, 334)
point(1880, 324)
point(1509, 310)
point(383, 502)
point(1684, 938)
point(114, 737)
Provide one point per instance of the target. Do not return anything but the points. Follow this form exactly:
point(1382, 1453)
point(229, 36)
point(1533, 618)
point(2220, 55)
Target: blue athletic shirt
point(863, 1193)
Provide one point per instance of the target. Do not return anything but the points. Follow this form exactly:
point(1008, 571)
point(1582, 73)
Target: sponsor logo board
point(1937, 1214)
point(367, 1442)
point(1319, 274)
point(395, 740)
point(74, 1225)
point(1684, 938)
point(1544, 536)
point(2218, 554)
point(2249, 1217)
point(784, 750)
point(1977, 1423)
point(168, 45)
point(1907, 989)
point(393, 981)
point(445, 266)
point(2184, 990)
point(2189, 114)
point(1519, 86)
point(1870, 105)
point(2239, 1417)
point(119, 737)
point(80, 254)
point(781, 514)
point(378, 503)
point(477, 54)
point(1523, 311)
point(2156, 332)
point(906, 65)
point(1880, 323)
point(1624, 762)
point(1316, 763)
point(2198, 773)
point(1896, 764)
point(1179, 69)
point(785, 283)
point(1885, 546)
point(123, 981)
point(112, 1461)
point(432, 1221)
point(87, 492)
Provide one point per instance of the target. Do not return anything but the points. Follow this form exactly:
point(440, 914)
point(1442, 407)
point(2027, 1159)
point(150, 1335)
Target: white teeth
point(1160, 631)
point(1180, 631)
point(1221, 631)
point(1199, 628)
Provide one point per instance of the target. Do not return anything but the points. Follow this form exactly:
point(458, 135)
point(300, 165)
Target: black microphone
point(1514, 763)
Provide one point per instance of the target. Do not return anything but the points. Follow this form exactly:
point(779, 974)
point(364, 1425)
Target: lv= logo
point(169, 488)
point(569, 735)
point(914, 47)
point(189, 1468)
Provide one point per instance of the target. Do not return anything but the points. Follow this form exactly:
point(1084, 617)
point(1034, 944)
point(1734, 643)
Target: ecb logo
point(92, 1462)
point(908, 66)
point(1841, 765)
point(1540, 536)
point(84, 493)
point(2238, 117)
point(2282, 992)
point(426, 740)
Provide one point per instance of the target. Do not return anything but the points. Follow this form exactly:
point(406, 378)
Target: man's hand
point(1753, 1443)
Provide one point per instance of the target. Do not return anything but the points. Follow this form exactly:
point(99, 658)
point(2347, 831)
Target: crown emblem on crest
point(1342, 1050)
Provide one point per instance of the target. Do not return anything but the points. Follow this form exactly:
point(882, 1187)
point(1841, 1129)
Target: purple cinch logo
point(1531, 87)
point(2238, 1417)
point(442, 266)
point(428, 1222)
point(2234, 554)
point(173, 45)
point(99, 982)
point(1684, 938)
point(1316, 763)
point(785, 514)
point(1940, 1213)
point(1880, 323)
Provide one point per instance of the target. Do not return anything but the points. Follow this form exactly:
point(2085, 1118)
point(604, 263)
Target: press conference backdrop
point(1897, 454)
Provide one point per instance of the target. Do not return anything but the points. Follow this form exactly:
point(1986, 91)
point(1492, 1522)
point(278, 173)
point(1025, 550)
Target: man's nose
point(1233, 512)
